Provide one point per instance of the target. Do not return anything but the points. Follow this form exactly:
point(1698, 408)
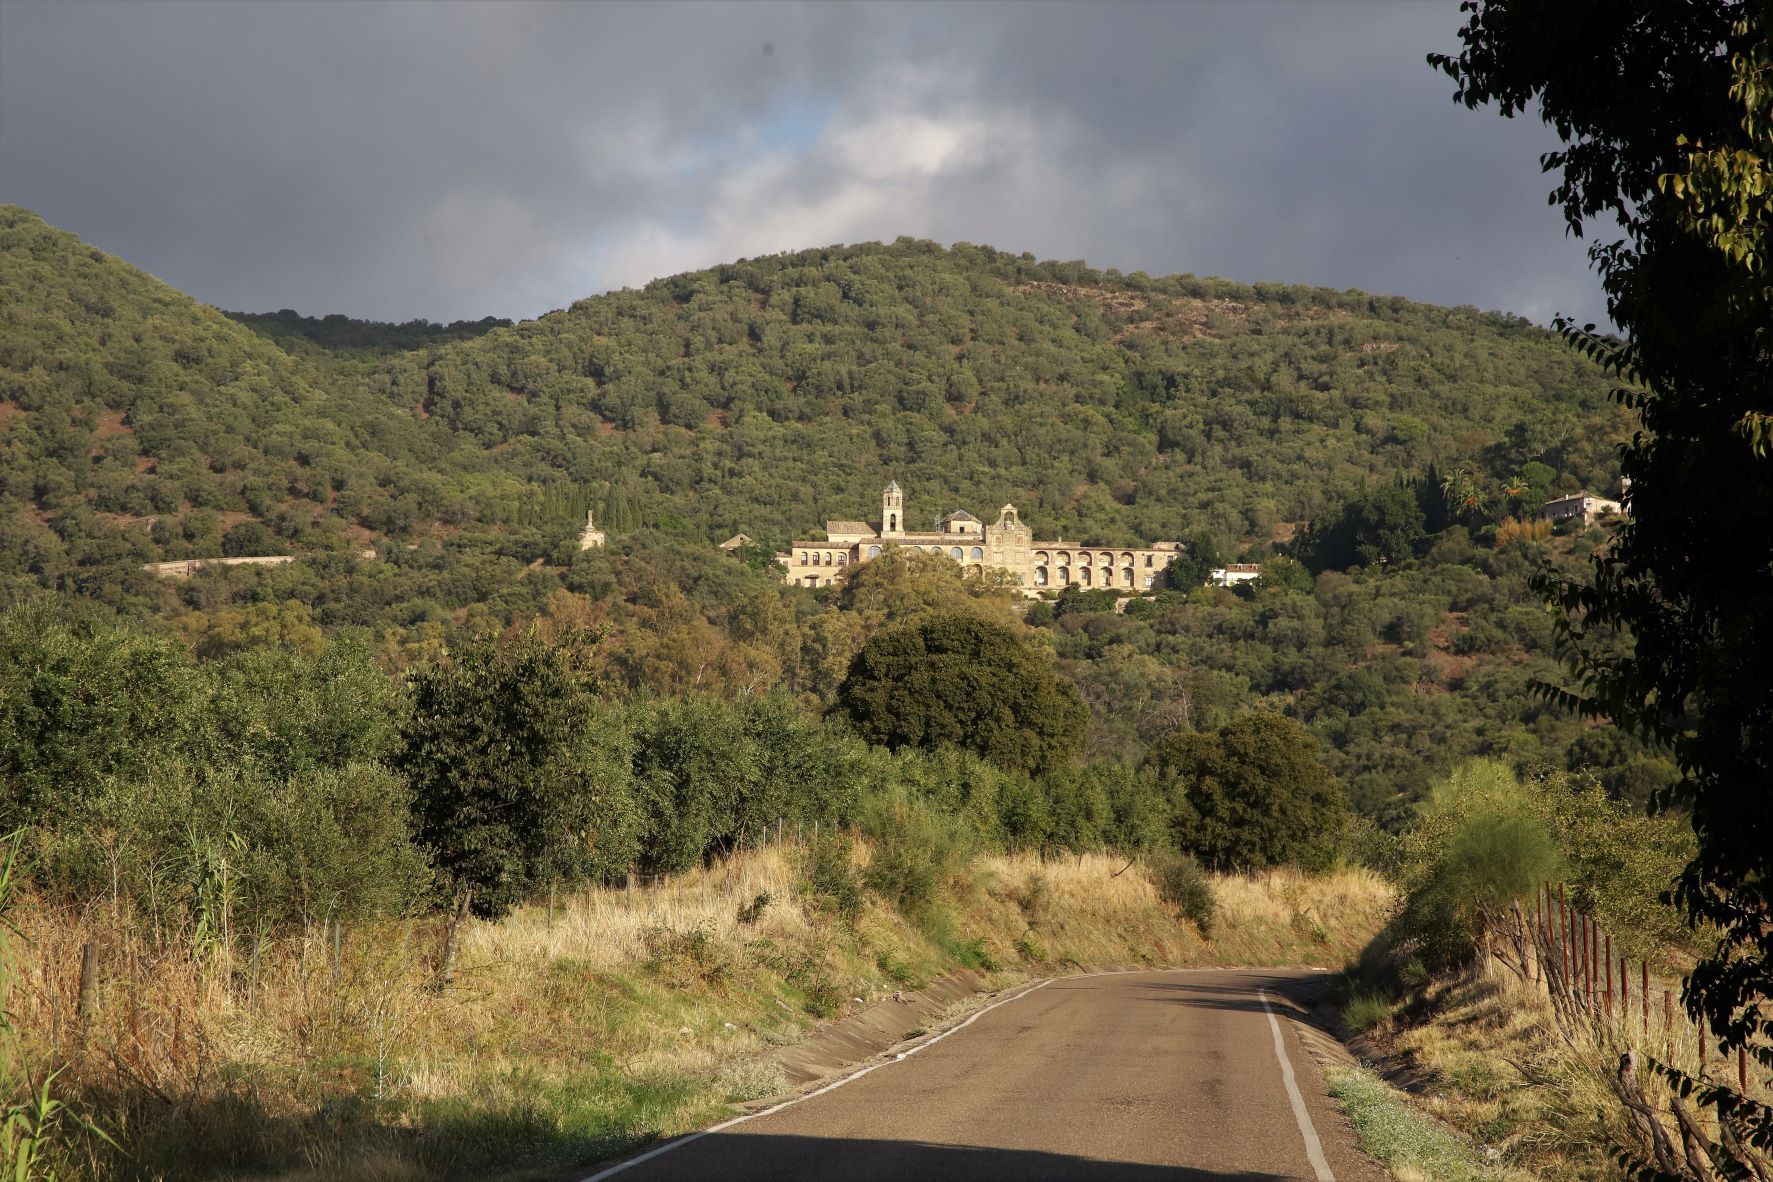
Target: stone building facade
point(1006, 545)
point(1585, 507)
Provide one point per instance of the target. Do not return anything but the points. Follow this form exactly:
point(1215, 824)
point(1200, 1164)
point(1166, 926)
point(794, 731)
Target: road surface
point(1183, 1075)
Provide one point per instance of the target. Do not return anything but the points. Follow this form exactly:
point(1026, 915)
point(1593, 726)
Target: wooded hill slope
point(1110, 408)
point(771, 394)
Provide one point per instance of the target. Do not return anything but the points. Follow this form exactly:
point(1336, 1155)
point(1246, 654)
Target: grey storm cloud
point(455, 160)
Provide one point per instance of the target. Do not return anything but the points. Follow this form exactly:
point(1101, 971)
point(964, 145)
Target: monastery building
point(1005, 545)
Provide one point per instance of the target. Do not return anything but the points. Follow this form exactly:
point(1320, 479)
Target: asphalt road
point(1117, 1078)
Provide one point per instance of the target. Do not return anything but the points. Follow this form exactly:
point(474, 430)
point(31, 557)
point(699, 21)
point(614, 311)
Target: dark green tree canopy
point(505, 793)
point(1378, 525)
point(957, 680)
point(1259, 793)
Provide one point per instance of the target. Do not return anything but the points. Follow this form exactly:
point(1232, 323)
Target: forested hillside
point(766, 395)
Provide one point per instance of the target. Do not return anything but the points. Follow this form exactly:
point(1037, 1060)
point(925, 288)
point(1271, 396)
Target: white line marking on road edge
point(680, 1142)
point(1314, 1149)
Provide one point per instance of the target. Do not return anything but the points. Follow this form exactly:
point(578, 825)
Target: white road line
point(680, 1142)
point(1314, 1149)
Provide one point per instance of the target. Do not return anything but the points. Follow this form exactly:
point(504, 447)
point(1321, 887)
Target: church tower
point(892, 511)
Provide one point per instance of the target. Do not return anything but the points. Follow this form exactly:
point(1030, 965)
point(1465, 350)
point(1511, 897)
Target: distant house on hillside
point(1585, 507)
point(186, 567)
point(1233, 573)
point(736, 541)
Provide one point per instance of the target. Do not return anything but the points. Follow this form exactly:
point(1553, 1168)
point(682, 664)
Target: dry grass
point(1486, 1053)
point(571, 1032)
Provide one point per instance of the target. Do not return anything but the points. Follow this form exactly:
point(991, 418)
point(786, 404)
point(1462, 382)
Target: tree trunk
point(452, 937)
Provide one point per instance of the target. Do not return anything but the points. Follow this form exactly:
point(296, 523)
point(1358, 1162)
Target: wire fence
point(1626, 1009)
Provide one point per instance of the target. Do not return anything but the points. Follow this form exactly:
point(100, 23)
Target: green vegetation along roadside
point(1474, 1037)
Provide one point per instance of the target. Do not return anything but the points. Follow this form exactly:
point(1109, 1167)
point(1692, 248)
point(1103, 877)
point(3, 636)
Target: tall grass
point(574, 1029)
point(1507, 1074)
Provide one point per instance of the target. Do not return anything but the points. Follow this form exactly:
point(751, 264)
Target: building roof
point(957, 515)
point(893, 486)
point(737, 540)
point(834, 528)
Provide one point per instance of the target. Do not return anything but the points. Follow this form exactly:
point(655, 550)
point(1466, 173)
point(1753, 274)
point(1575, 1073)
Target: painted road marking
point(680, 1142)
point(1314, 1149)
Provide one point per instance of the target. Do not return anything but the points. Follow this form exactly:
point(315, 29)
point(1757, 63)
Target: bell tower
point(892, 511)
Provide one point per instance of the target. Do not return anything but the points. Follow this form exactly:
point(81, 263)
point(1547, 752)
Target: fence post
point(1600, 966)
point(88, 984)
point(1564, 946)
point(1668, 1026)
point(1644, 996)
point(1587, 933)
point(1607, 964)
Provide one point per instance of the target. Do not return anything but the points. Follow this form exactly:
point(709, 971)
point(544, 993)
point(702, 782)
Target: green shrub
point(1365, 1010)
point(751, 1079)
point(822, 998)
point(1182, 883)
point(682, 959)
point(512, 789)
point(916, 851)
point(750, 913)
point(895, 969)
point(1258, 792)
point(231, 848)
point(1035, 897)
point(829, 881)
point(1479, 843)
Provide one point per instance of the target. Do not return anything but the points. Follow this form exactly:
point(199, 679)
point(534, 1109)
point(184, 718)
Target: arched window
point(1040, 557)
point(1126, 576)
point(935, 549)
point(874, 551)
point(1040, 576)
point(892, 523)
point(843, 559)
point(1127, 558)
point(803, 558)
point(1083, 575)
point(1064, 576)
point(976, 553)
point(1064, 558)
point(954, 553)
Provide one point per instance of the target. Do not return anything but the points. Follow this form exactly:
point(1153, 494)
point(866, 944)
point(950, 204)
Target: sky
point(458, 160)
